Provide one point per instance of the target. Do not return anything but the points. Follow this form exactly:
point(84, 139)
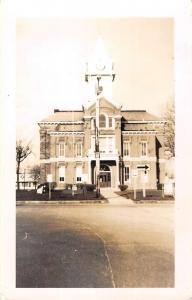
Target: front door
point(105, 179)
point(105, 176)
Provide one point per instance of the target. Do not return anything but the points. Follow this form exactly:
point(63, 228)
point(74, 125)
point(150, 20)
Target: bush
point(90, 187)
point(123, 187)
point(81, 186)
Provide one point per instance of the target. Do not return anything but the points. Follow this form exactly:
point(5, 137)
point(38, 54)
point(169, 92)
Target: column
point(89, 171)
point(117, 173)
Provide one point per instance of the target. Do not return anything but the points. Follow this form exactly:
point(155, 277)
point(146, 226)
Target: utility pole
point(97, 150)
point(101, 68)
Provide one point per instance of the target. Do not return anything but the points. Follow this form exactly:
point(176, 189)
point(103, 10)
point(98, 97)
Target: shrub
point(68, 186)
point(123, 187)
point(80, 186)
point(90, 187)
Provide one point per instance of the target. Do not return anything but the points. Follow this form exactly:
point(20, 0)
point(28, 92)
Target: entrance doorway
point(105, 176)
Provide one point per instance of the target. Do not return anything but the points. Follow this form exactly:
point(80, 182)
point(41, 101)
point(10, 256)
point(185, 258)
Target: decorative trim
point(146, 159)
point(145, 122)
point(63, 133)
point(60, 122)
point(139, 132)
point(64, 159)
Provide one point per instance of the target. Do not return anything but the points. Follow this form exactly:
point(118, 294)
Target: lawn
point(24, 195)
point(150, 195)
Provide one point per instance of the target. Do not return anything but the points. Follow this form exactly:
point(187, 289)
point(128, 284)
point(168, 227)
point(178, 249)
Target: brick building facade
point(129, 141)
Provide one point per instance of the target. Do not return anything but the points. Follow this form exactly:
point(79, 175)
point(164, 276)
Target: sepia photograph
point(95, 156)
point(95, 153)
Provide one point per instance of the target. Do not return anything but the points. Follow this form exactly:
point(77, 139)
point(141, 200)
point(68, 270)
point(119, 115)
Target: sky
point(50, 65)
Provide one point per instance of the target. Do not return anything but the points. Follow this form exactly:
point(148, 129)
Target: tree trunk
point(18, 169)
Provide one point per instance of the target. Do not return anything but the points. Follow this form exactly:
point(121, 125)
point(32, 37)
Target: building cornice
point(139, 132)
point(144, 122)
point(60, 122)
point(63, 133)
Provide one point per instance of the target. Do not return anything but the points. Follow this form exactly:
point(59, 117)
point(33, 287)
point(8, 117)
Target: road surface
point(95, 246)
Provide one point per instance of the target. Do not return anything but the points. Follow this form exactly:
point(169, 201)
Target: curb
point(31, 202)
point(153, 201)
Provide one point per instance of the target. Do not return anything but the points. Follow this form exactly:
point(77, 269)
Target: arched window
point(102, 121)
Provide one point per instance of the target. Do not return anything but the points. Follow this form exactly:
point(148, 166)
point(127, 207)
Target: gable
point(105, 107)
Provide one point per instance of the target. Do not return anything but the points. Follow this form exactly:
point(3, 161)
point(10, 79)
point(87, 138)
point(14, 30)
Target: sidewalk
point(113, 198)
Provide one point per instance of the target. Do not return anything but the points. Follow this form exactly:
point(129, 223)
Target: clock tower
point(100, 66)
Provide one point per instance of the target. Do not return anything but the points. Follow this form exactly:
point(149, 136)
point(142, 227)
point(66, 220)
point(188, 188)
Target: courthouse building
point(131, 142)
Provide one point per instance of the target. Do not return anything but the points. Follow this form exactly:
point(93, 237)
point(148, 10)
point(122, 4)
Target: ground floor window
point(126, 173)
point(62, 174)
point(79, 174)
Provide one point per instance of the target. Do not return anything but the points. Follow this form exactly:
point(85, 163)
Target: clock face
point(100, 66)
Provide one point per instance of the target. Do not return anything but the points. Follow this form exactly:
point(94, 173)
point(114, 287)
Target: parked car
point(44, 187)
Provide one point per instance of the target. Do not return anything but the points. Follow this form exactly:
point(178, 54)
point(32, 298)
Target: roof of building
point(64, 116)
point(138, 115)
point(77, 115)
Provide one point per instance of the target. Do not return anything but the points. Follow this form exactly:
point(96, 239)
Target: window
point(79, 174)
point(102, 144)
point(143, 148)
point(126, 148)
point(79, 149)
point(62, 174)
point(110, 144)
point(110, 122)
point(102, 121)
point(106, 144)
point(62, 149)
point(126, 173)
point(93, 121)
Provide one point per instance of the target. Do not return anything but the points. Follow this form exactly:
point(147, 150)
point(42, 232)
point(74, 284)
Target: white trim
point(59, 122)
point(145, 122)
point(139, 132)
point(110, 156)
point(63, 133)
point(146, 159)
point(63, 159)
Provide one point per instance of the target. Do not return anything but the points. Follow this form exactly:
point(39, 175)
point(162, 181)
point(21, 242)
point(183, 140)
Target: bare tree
point(169, 117)
point(35, 174)
point(22, 152)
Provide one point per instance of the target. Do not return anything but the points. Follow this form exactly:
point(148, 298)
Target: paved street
point(95, 246)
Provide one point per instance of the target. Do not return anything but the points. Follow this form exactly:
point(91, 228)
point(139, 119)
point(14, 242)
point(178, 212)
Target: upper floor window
point(102, 121)
point(79, 149)
point(110, 122)
point(143, 148)
point(62, 149)
point(126, 148)
point(106, 144)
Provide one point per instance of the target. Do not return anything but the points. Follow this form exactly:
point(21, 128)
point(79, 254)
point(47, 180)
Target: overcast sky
point(51, 56)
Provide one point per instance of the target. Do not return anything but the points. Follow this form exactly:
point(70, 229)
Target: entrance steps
point(113, 198)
